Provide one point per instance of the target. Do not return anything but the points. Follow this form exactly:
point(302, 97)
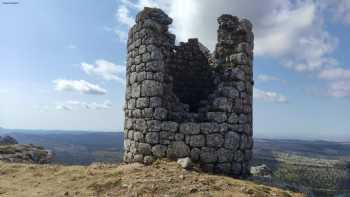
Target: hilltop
point(163, 178)
point(24, 153)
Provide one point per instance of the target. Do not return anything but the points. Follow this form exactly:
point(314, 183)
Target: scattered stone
point(185, 163)
point(261, 170)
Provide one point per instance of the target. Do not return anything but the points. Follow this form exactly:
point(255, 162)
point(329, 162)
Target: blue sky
point(62, 62)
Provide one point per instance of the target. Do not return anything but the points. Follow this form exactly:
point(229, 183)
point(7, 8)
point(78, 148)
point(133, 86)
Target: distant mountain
point(323, 166)
point(75, 147)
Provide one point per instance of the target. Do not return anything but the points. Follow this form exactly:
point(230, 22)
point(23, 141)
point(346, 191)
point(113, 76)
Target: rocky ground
point(163, 178)
point(24, 153)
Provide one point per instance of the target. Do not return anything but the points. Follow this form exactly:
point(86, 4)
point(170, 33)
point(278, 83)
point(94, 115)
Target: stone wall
point(183, 101)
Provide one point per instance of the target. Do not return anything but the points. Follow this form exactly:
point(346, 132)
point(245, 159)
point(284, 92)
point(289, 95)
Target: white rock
point(185, 163)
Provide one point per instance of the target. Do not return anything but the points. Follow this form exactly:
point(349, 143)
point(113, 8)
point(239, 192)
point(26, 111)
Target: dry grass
point(161, 179)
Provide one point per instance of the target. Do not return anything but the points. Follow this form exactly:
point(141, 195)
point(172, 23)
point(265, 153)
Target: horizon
point(63, 65)
point(41, 131)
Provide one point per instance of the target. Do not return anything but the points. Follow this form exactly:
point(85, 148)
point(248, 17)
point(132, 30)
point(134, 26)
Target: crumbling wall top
point(154, 14)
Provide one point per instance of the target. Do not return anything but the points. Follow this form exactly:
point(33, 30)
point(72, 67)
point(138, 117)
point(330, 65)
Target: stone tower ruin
point(183, 101)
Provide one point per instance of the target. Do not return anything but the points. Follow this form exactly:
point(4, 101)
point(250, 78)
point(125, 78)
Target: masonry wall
point(182, 101)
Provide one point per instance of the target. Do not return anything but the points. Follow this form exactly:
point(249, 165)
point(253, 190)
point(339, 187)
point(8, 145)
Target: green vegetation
point(324, 177)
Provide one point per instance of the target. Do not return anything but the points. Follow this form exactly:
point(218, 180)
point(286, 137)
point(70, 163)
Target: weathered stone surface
point(135, 90)
point(138, 136)
point(248, 154)
point(142, 102)
point(131, 104)
point(154, 125)
point(189, 128)
point(230, 92)
point(179, 136)
point(225, 155)
point(138, 158)
point(148, 160)
point(209, 127)
point(215, 140)
point(178, 149)
point(246, 142)
point(197, 141)
point(236, 168)
point(159, 151)
point(238, 155)
point(169, 126)
point(222, 104)
point(223, 168)
point(155, 102)
point(144, 148)
point(128, 124)
point(216, 116)
point(208, 155)
point(140, 125)
point(232, 140)
point(160, 113)
point(151, 88)
point(195, 154)
point(152, 137)
point(233, 118)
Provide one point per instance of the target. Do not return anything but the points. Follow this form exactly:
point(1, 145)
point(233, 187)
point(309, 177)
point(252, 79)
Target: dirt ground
point(163, 178)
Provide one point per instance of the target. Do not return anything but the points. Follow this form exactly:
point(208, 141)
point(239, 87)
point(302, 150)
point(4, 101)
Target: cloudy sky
point(63, 62)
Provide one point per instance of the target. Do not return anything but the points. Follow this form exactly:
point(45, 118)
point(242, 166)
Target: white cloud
point(339, 89)
point(63, 107)
point(281, 28)
point(123, 16)
point(269, 96)
point(105, 69)
point(121, 35)
point(267, 78)
point(336, 73)
point(339, 81)
point(72, 105)
point(340, 10)
point(81, 86)
point(85, 105)
point(292, 32)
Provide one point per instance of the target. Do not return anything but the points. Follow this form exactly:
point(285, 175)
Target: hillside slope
point(160, 179)
point(24, 153)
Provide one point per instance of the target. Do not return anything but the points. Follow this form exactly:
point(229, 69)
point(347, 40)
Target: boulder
point(185, 163)
point(261, 170)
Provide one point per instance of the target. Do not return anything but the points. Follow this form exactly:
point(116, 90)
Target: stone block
point(142, 102)
point(215, 140)
point(159, 150)
point(178, 149)
point(152, 137)
point(189, 128)
point(169, 126)
point(208, 155)
point(232, 140)
point(144, 148)
point(197, 140)
point(151, 88)
point(217, 116)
